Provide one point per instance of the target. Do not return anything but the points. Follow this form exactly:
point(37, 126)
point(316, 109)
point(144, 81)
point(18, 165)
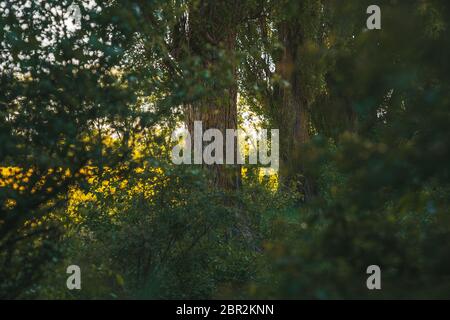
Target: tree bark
point(209, 34)
point(294, 117)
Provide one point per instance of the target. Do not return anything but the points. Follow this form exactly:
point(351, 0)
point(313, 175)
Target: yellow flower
point(10, 203)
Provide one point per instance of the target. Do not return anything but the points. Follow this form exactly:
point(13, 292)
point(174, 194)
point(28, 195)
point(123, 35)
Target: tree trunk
point(294, 116)
point(209, 35)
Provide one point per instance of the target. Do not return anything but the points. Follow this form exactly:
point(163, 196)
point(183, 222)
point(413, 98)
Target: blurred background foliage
point(86, 112)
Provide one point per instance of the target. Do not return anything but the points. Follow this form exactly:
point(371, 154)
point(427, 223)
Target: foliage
point(86, 115)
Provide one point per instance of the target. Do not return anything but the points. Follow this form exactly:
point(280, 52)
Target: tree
point(64, 90)
point(284, 73)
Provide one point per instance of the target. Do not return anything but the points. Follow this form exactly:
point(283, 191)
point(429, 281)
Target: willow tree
point(211, 37)
point(284, 73)
point(299, 29)
point(203, 45)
